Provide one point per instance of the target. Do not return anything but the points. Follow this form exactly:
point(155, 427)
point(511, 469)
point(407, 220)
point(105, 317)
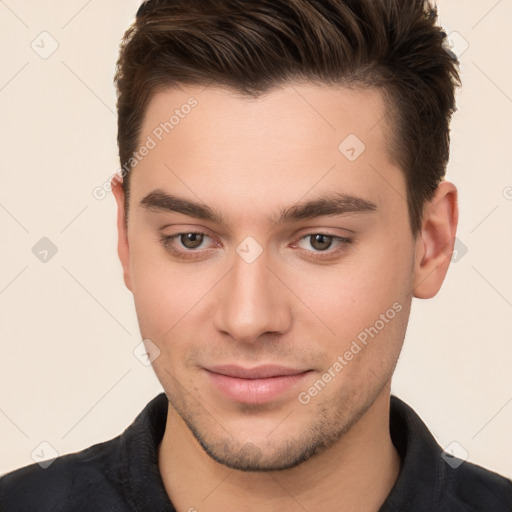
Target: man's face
point(316, 291)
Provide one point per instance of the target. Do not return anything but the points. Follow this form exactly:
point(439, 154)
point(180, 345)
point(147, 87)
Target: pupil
point(192, 240)
point(321, 242)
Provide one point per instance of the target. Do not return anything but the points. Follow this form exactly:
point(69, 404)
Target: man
point(281, 201)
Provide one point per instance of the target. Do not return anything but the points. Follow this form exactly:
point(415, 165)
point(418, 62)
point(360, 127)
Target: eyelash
point(192, 254)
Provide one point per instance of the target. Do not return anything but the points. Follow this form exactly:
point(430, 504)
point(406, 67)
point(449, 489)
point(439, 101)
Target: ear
point(123, 249)
point(435, 242)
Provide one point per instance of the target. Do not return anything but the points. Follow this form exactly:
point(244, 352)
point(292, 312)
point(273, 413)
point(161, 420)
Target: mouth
point(258, 385)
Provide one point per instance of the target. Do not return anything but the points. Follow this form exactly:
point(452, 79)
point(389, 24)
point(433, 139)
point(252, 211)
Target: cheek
point(155, 284)
point(369, 324)
point(352, 296)
point(168, 295)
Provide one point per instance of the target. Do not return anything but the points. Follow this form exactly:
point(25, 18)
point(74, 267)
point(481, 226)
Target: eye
point(192, 244)
point(322, 244)
point(191, 240)
point(184, 245)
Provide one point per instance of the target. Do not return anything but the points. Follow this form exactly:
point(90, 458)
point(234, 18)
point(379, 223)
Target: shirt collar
point(421, 471)
point(142, 481)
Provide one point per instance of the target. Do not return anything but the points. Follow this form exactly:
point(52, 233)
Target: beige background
point(68, 375)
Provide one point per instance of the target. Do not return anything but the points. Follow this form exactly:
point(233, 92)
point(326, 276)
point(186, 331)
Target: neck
point(357, 473)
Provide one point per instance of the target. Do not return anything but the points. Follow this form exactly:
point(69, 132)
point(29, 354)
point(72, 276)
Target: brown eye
point(320, 242)
point(191, 240)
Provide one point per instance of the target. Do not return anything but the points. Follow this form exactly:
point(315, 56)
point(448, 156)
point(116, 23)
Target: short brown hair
point(252, 46)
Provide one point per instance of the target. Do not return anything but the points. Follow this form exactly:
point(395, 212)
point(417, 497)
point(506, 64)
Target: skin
point(248, 159)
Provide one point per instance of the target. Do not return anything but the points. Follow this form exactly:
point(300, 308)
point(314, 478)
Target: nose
point(252, 302)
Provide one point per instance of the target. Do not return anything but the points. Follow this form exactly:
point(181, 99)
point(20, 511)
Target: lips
point(256, 385)
point(259, 372)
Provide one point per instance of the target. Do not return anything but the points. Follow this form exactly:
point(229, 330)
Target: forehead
point(299, 110)
point(293, 141)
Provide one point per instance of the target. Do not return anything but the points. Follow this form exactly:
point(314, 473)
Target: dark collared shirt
point(122, 475)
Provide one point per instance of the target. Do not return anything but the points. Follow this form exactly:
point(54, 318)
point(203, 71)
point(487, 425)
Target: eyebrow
point(333, 204)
